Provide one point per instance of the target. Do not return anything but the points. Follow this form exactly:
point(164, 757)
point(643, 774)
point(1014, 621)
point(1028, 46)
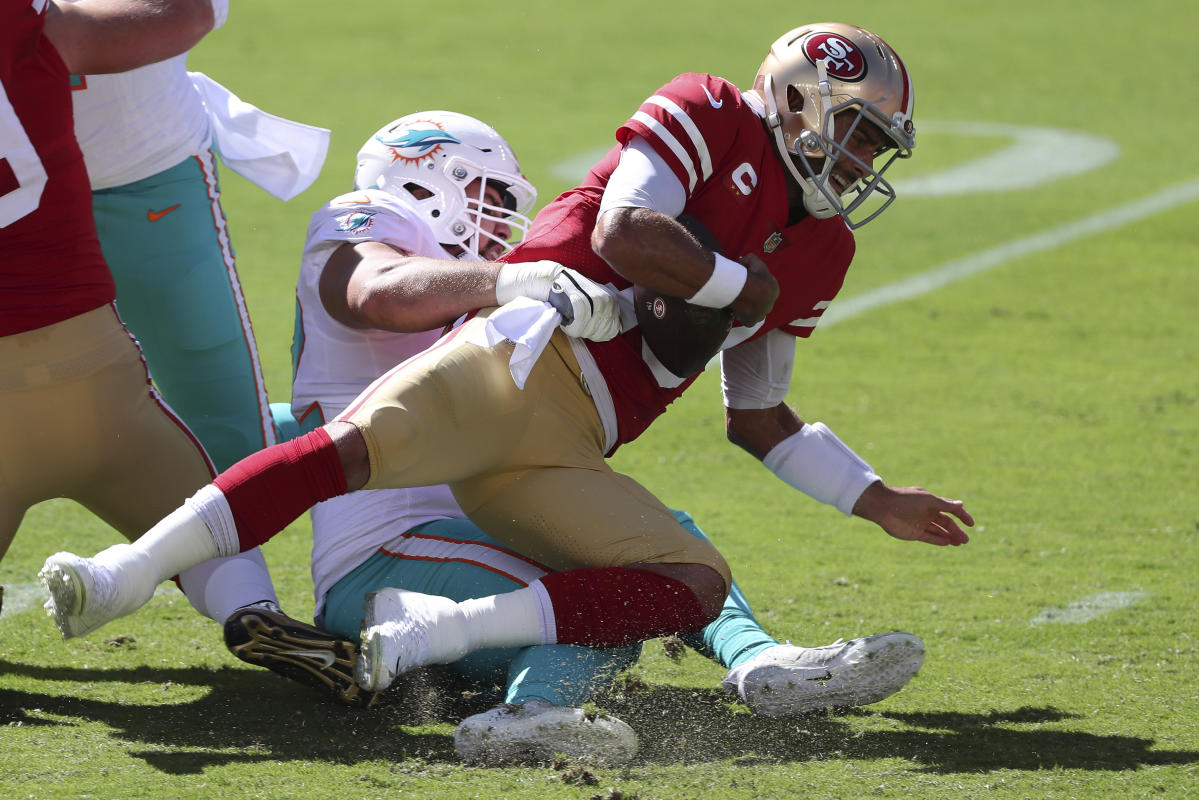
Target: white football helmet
point(430, 158)
point(816, 72)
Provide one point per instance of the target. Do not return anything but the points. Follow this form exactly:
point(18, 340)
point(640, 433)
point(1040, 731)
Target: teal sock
point(735, 636)
point(564, 674)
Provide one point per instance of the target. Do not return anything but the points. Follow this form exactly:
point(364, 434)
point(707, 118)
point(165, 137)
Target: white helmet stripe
point(667, 138)
point(693, 132)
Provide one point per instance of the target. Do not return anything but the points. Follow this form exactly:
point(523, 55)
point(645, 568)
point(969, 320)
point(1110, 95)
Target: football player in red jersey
point(74, 390)
point(778, 174)
point(75, 394)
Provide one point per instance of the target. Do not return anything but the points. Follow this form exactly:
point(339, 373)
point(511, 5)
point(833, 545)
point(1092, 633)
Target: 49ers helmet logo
point(841, 58)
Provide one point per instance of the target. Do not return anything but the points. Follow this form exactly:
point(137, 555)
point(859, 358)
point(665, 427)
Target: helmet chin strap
point(816, 201)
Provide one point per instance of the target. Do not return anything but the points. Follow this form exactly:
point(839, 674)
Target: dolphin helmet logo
point(421, 140)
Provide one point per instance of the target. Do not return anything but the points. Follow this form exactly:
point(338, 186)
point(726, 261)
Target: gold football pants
point(526, 465)
point(79, 419)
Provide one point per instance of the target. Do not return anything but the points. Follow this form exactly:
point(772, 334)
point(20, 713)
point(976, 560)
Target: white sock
point(134, 577)
point(213, 507)
point(180, 540)
point(219, 587)
point(512, 619)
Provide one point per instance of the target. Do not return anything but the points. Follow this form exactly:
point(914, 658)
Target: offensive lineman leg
point(243, 507)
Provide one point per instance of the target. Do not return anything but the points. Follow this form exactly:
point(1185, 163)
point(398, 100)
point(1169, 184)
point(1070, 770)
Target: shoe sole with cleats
point(301, 652)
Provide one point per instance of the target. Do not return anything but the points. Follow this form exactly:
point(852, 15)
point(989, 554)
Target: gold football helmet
point(819, 71)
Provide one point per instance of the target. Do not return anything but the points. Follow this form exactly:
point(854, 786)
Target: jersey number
point(22, 176)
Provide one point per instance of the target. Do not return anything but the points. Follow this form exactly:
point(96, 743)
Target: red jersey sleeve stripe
point(658, 130)
point(690, 128)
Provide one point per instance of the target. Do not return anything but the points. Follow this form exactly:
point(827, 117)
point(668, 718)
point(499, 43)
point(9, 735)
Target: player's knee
point(710, 588)
point(351, 449)
point(709, 578)
point(706, 583)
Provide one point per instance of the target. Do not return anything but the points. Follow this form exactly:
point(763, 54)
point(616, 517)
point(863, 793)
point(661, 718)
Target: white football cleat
point(536, 731)
point(785, 679)
point(403, 630)
point(86, 593)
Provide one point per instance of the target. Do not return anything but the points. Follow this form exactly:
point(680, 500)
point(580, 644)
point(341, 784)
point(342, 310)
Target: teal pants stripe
point(561, 674)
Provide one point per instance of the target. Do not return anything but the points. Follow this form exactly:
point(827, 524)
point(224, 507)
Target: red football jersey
point(720, 150)
point(51, 267)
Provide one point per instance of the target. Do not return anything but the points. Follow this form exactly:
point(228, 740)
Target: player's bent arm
point(374, 285)
point(637, 233)
point(653, 250)
point(100, 36)
point(755, 376)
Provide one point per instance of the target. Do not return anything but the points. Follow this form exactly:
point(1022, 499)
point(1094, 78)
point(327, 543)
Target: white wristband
point(726, 282)
point(220, 12)
point(820, 465)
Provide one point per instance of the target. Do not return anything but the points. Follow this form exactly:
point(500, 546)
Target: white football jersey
point(135, 124)
point(334, 363)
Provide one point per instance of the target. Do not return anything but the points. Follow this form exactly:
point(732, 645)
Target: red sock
point(616, 606)
point(267, 490)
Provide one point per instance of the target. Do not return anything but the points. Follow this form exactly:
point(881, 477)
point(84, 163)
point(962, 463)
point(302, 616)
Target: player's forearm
point(757, 431)
point(652, 250)
point(419, 294)
point(812, 459)
point(658, 252)
point(100, 36)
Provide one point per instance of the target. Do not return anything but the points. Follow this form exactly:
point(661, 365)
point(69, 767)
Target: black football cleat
point(301, 652)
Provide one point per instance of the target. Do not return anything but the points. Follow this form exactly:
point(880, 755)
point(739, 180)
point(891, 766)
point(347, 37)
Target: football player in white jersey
point(444, 185)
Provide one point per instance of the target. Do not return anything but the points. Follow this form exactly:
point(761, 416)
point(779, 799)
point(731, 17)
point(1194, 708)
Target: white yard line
point(954, 271)
point(24, 595)
point(20, 597)
point(1088, 608)
point(1037, 156)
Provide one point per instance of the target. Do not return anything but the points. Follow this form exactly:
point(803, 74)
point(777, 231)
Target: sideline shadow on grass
point(252, 715)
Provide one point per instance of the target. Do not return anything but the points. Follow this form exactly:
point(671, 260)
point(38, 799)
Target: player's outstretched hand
point(590, 310)
point(913, 514)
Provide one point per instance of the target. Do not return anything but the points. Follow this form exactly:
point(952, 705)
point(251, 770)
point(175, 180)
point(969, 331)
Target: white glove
point(589, 310)
point(531, 279)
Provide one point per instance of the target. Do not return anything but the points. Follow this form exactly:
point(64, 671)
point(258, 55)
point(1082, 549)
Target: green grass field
point(1032, 348)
